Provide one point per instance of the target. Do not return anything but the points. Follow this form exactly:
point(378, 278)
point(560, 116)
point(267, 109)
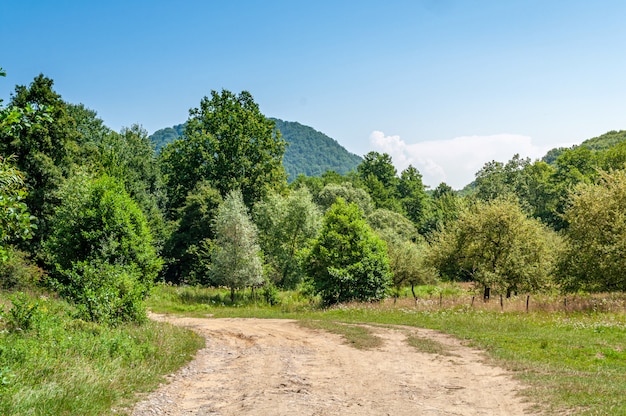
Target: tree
point(235, 260)
point(347, 260)
point(412, 194)
point(595, 257)
point(228, 142)
point(405, 248)
point(42, 146)
point(445, 206)
point(16, 223)
point(498, 247)
point(286, 225)
point(100, 248)
point(192, 232)
point(348, 192)
point(380, 178)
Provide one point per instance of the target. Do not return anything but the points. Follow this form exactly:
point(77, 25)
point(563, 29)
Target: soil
point(277, 367)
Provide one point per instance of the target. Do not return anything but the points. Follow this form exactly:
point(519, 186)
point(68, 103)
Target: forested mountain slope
point(309, 151)
point(312, 153)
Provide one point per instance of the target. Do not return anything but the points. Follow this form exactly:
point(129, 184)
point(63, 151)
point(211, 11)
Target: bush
point(101, 250)
point(105, 292)
point(17, 273)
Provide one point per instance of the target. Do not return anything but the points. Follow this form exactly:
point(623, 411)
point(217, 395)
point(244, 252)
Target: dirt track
point(276, 367)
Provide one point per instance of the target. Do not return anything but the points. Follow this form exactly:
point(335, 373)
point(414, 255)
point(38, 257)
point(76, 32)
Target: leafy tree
point(406, 249)
point(193, 232)
point(347, 260)
point(445, 206)
point(379, 177)
point(101, 246)
point(412, 194)
point(235, 260)
point(497, 246)
point(348, 192)
point(40, 145)
point(286, 226)
point(228, 142)
point(15, 220)
point(595, 256)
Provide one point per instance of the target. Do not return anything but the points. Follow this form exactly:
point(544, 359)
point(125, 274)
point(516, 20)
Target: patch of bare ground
point(277, 367)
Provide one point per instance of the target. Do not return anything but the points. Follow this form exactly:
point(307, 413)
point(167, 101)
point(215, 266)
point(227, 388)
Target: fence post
point(527, 300)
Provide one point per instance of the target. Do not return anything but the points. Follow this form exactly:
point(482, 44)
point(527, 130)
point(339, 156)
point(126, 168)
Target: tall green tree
point(286, 226)
point(16, 223)
point(42, 146)
point(412, 194)
point(236, 258)
point(193, 233)
point(380, 177)
point(230, 143)
point(347, 260)
point(595, 258)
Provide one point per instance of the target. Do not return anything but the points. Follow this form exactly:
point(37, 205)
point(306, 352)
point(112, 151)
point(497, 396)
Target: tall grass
point(57, 365)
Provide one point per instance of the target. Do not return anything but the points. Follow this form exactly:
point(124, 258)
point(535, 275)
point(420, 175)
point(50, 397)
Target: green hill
point(309, 152)
point(312, 153)
point(602, 142)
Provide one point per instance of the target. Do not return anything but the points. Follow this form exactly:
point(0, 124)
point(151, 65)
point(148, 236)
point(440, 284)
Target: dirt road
point(276, 367)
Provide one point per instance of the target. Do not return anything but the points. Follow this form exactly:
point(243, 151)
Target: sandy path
point(275, 367)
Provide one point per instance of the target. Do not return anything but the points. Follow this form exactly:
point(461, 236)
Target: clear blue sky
point(446, 85)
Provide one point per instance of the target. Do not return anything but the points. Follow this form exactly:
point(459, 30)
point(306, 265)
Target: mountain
point(602, 142)
point(309, 152)
point(312, 153)
point(167, 135)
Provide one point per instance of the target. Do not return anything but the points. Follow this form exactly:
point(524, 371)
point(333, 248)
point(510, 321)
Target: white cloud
point(455, 161)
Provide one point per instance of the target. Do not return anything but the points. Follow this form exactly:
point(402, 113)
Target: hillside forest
point(99, 216)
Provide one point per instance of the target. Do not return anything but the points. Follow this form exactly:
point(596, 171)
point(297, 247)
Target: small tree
point(100, 249)
point(286, 225)
point(235, 260)
point(348, 261)
point(497, 246)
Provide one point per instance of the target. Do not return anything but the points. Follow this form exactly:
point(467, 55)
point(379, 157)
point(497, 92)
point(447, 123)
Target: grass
point(571, 354)
point(428, 345)
point(53, 364)
point(356, 336)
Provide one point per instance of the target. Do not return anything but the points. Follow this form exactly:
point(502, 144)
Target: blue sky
point(445, 85)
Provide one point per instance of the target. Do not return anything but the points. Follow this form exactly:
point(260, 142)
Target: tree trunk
point(413, 291)
point(232, 295)
point(486, 294)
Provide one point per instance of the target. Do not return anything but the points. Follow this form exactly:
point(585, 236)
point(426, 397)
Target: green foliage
point(596, 236)
point(67, 366)
point(100, 229)
point(16, 223)
point(346, 191)
point(412, 194)
point(193, 230)
point(497, 246)
point(235, 259)
point(230, 143)
point(379, 177)
point(18, 273)
point(105, 292)
point(312, 153)
point(23, 313)
point(348, 261)
point(286, 226)
point(42, 146)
